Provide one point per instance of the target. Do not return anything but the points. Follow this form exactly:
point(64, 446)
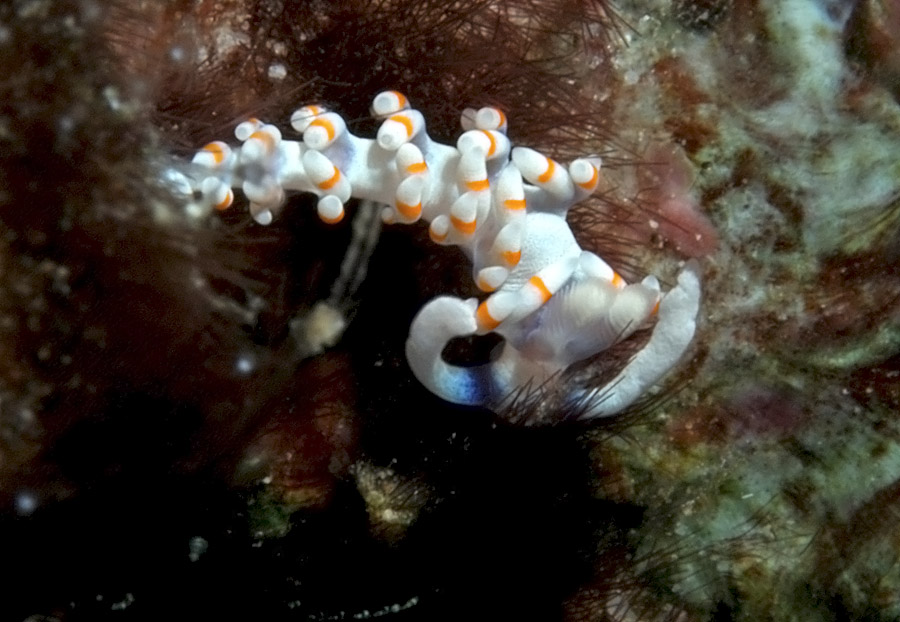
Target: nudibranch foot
point(671, 336)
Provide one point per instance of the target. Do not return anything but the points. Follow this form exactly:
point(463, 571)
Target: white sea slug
point(505, 207)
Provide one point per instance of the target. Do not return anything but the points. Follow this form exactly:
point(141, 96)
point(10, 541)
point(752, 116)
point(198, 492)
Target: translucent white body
point(505, 207)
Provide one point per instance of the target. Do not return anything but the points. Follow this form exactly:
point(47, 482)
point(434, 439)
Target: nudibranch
point(505, 207)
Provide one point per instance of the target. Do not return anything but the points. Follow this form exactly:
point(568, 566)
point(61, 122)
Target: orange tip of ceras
point(409, 211)
point(438, 230)
point(218, 150)
point(491, 141)
point(466, 228)
point(303, 117)
point(243, 131)
point(484, 286)
point(405, 121)
point(329, 183)
point(538, 283)
point(512, 258)
point(265, 138)
point(226, 202)
point(388, 102)
point(490, 118)
point(330, 209)
point(326, 125)
point(591, 183)
point(547, 175)
point(401, 99)
point(486, 322)
point(332, 221)
point(478, 185)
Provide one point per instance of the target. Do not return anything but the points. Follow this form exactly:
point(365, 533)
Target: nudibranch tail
point(439, 321)
point(505, 207)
